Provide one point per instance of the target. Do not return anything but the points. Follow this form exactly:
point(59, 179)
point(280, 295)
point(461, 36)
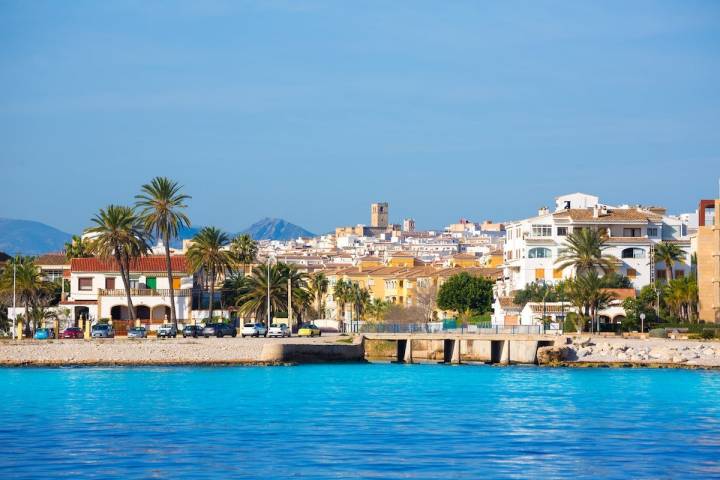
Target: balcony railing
point(144, 292)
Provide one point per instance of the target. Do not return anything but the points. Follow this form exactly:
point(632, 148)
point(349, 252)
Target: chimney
point(596, 211)
point(543, 211)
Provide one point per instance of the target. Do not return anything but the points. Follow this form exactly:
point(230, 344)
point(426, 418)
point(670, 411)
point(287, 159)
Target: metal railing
point(144, 292)
point(437, 327)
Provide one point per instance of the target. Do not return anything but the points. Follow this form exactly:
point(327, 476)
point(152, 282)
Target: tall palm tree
point(584, 252)
point(587, 294)
point(669, 253)
point(255, 297)
point(342, 293)
point(77, 248)
point(244, 249)
point(298, 285)
point(119, 234)
point(377, 308)
point(161, 204)
point(319, 287)
point(360, 298)
point(207, 253)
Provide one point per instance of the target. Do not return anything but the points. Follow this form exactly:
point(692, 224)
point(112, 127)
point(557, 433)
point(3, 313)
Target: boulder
point(554, 355)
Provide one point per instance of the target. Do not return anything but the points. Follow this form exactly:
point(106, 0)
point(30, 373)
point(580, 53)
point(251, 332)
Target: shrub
point(707, 334)
point(658, 333)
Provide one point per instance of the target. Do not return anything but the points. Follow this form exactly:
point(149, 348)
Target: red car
point(72, 332)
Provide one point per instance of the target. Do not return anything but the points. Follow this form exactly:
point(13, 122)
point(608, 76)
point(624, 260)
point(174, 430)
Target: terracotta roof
point(52, 259)
point(150, 264)
point(508, 303)
point(78, 302)
point(550, 307)
point(611, 215)
point(621, 293)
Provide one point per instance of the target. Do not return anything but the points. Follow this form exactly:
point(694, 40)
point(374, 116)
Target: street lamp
point(270, 259)
point(14, 330)
point(642, 323)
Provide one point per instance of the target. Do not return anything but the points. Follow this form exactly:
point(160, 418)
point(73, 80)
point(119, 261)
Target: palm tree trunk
point(212, 293)
point(125, 275)
point(173, 314)
point(668, 270)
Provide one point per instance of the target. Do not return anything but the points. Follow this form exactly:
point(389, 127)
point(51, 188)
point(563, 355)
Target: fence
point(437, 327)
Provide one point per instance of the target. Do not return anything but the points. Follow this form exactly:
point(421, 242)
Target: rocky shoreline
point(622, 352)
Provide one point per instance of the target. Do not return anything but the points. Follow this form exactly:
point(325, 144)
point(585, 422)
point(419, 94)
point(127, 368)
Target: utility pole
point(290, 311)
point(14, 329)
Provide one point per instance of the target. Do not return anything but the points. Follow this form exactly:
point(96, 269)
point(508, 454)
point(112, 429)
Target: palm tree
point(669, 253)
point(319, 287)
point(207, 253)
point(119, 234)
point(29, 284)
point(360, 298)
point(681, 295)
point(77, 248)
point(161, 203)
point(342, 297)
point(255, 297)
point(377, 308)
point(584, 252)
point(244, 249)
point(587, 294)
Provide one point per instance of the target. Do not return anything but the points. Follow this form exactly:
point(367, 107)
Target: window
point(133, 283)
point(539, 252)
point(557, 273)
point(109, 283)
point(631, 232)
point(539, 274)
point(633, 253)
point(85, 283)
point(541, 231)
point(652, 232)
point(562, 231)
point(151, 283)
point(631, 273)
point(176, 283)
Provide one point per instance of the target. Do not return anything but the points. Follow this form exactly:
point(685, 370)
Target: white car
point(253, 330)
point(280, 330)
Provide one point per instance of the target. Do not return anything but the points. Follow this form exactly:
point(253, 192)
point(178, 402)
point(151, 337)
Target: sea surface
point(359, 421)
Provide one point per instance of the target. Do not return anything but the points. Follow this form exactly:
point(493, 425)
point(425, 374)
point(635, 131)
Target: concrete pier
point(504, 349)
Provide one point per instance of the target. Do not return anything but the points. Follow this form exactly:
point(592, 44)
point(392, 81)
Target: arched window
point(539, 252)
point(633, 253)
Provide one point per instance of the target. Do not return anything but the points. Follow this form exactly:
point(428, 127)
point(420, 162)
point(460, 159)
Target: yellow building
point(404, 259)
point(464, 260)
point(708, 260)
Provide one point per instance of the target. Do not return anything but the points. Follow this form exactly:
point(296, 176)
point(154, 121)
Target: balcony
point(144, 292)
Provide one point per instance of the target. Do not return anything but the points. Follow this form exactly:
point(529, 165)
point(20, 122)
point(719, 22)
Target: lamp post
point(14, 330)
point(642, 323)
point(270, 259)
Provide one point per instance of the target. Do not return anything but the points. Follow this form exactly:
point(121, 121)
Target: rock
point(622, 356)
point(584, 342)
point(554, 355)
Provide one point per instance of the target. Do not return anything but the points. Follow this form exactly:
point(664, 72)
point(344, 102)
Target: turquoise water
point(359, 421)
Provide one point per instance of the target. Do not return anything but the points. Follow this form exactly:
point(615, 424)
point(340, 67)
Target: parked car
point(167, 330)
point(102, 330)
point(137, 332)
point(44, 334)
point(309, 330)
point(192, 331)
point(254, 330)
point(219, 330)
point(278, 330)
point(72, 332)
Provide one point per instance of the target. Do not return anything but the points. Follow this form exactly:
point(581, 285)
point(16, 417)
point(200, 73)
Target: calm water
point(359, 421)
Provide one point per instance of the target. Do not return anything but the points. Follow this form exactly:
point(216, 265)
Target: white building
point(97, 290)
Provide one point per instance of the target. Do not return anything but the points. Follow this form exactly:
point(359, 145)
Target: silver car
point(137, 332)
point(102, 330)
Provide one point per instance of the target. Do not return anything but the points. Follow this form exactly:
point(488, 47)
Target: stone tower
point(379, 215)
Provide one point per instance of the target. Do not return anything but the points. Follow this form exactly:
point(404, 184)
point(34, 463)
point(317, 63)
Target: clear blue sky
point(312, 110)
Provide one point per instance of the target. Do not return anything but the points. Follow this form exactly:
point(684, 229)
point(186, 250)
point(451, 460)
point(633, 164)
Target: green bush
point(707, 334)
point(658, 333)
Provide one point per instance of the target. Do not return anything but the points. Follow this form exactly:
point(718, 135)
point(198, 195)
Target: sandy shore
point(121, 351)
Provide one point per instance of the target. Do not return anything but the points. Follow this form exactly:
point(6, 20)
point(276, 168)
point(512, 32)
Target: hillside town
point(640, 264)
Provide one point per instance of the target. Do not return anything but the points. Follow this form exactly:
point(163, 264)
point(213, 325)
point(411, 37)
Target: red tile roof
point(51, 259)
point(151, 264)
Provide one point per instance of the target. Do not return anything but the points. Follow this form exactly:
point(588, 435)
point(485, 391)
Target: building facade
point(707, 245)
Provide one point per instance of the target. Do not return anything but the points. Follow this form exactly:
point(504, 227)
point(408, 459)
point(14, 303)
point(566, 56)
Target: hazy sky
point(310, 111)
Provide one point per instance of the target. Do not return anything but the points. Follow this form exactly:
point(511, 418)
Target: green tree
point(377, 308)
point(119, 234)
point(29, 284)
point(161, 203)
point(343, 295)
point(466, 294)
point(254, 300)
point(77, 248)
point(318, 287)
point(616, 280)
point(207, 253)
point(584, 252)
point(669, 253)
point(360, 298)
point(244, 250)
point(587, 293)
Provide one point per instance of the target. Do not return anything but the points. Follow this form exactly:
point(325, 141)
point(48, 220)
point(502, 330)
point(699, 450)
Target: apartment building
point(707, 246)
point(532, 246)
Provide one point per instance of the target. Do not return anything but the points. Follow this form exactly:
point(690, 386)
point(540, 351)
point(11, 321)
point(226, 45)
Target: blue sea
point(359, 421)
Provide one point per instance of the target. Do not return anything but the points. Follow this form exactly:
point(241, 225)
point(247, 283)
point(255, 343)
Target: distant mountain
point(276, 229)
point(30, 238)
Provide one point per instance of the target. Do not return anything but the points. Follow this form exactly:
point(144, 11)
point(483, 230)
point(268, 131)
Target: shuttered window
point(109, 283)
point(176, 283)
point(85, 283)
